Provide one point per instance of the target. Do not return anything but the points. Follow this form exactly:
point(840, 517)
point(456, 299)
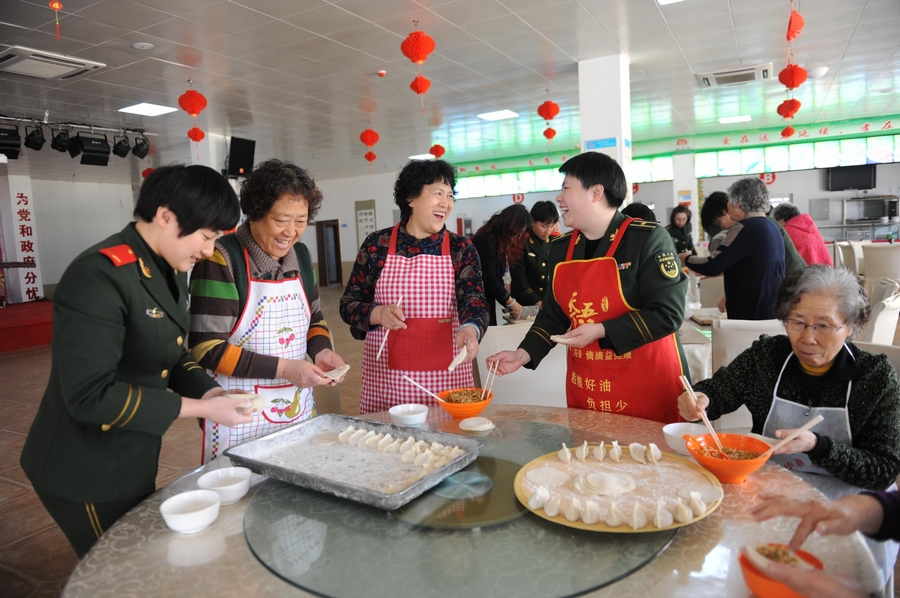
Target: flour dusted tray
point(309, 455)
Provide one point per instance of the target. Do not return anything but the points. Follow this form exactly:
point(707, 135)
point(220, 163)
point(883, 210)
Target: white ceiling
point(299, 76)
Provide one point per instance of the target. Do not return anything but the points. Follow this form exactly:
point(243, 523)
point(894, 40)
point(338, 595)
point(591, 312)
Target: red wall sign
point(518, 198)
point(767, 177)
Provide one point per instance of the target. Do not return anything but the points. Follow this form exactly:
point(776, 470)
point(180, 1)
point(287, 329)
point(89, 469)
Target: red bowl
point(463, 410)
point(728, 471)
point(761, 585)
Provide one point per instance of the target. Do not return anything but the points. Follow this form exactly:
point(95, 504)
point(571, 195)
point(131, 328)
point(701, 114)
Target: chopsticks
point(794, 434)
point(492, 375)
point(712, 432)
point(414, 383)
point(381, 346)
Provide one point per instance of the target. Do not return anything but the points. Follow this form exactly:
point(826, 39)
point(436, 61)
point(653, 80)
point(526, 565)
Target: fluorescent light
point(145, 109)
point(664, 2)
point(422, 157)
point(727, 120)
point(498, 115)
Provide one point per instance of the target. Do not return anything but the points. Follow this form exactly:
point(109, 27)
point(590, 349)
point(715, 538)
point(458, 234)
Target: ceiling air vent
point(736, 76)
point(29, 62)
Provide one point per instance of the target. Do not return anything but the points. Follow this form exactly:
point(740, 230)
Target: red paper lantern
point(420, 85)
point(196, 134)
point(787, 132)
point(370, 157)
point(548, 110)
point(795, 25)
point(146, 172)
point(193, 102)
point(417, 46)
point(369, 137)
point(437, 150)
point(792, 76)
point(56, 5)
point(549, 133)
point(789, 108)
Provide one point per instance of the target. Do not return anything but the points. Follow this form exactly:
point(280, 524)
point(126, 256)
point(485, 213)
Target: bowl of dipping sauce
point(191, 512)
point(408, 414)
point(762, 585)
point(463, 403)
point(675, 433)
point(230, 483)
point(743, 455)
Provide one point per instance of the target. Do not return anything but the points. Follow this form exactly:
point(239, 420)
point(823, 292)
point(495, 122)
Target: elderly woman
point(814, 370)
point(803, 233)
point(751, 256)
point(500, 243)
point(263, 265)
point(421, 283)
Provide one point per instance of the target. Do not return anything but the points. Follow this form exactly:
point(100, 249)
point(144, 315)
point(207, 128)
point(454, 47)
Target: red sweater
point(808, 240)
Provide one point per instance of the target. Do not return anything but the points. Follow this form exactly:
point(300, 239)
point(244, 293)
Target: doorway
point(328, 242)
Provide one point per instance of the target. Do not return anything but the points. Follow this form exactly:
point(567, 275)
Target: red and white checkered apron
point(427, 284)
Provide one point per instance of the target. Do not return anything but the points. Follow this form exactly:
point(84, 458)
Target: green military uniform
point(792, 258)
point(658, 296)
point(531, 274)
point(118, 348)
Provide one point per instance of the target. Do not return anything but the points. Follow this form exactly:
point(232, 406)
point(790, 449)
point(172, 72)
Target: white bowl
point(408, 414)
point(674, 434)
point(191, 512)
point(231, 483)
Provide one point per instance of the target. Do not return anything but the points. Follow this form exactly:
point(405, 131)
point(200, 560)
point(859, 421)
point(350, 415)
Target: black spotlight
point(141, 147)
point(121, 147)
point(34, 140)
point(60, 142)
point(10, 142)
point(94, 149)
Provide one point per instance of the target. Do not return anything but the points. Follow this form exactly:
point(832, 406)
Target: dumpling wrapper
point(556, 338)
point(460, 357)
point(546, 476)
point(258, 402)
point(599, 452)
point(337, 373)
point(614, 517)
point(615, 453)
point(603, 483)
point(663, 517)
point(708, 494)
point(564, 454)
point(761, 561)
point(476, 424)
point(582, 452)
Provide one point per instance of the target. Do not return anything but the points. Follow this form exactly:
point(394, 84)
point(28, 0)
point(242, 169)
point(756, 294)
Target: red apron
point(641, 383)
point(427, 345)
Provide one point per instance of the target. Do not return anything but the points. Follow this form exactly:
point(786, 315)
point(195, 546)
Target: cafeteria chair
point(892, 352)
point(884, 288)
point(712, 289)
point(859, 256)
point(880, 260)
point(883, 322)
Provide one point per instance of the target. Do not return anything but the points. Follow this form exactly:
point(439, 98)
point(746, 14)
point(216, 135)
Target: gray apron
point(788, 415)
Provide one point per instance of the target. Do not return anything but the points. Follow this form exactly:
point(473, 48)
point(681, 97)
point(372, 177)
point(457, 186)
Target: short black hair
point(785, 211)
point(414, 176)
point(639, 210)
point(594, 168)
point(545, 211)
point(714, 207)
point(272, 179)
point(199, 197)
point(680, 210)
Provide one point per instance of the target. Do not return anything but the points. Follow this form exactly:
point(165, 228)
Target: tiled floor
point(35, 557)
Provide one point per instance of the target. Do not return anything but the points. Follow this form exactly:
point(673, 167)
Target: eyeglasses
point(823, 329)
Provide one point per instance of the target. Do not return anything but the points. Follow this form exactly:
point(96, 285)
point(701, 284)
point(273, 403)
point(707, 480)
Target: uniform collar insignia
point(156, 313)
point(612, 237)
point(144, 269)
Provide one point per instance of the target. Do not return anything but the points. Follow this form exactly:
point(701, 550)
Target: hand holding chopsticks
point(384, 338)
point(492, 375)
point(690, 391)
point(794, 434)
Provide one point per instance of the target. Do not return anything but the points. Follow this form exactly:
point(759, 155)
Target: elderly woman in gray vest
point(815, 370)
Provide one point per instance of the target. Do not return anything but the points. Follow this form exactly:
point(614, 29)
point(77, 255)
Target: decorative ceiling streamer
point(792, 76)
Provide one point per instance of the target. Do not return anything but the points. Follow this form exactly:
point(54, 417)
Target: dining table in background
point(140, 556)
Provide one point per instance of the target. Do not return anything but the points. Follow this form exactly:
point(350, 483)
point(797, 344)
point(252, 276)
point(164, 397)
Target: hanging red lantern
point(193, 102)
point(369, 137)
point(420, 85)
point(196, 134)
point(795, 25)
point(792, 76)
point(370, 157)
point(57, 6)
point(437, 150)
point(146, 172)
point(417, 46)
point(549, 133)
point(789, 108)
point(787, 132)
point(548, 110)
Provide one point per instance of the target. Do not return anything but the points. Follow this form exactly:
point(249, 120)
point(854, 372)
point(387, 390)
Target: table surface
point(140, 556)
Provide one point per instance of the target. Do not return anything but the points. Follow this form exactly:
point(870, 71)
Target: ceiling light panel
point(145, 109)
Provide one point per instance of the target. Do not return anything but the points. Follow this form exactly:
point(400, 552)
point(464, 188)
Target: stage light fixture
point(34, 140)
point(60, 142)
point(10, 142)
point(141, 147)
point(94, 149)
point(121, 147)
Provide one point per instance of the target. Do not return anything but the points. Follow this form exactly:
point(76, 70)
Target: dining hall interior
point(689, 96)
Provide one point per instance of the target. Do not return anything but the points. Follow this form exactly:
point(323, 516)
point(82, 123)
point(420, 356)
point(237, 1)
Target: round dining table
point(282, 540)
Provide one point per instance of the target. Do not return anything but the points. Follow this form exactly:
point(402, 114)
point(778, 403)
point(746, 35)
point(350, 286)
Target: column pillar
point(604, 97)
point(18, 232)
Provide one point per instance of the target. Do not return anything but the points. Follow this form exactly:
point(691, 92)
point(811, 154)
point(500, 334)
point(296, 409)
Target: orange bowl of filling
point(761, 584)
point(743, 455)
point(464, 402)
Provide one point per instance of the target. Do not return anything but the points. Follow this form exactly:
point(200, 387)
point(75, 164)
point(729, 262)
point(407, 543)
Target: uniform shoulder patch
point(644, 224)
point(668, 263)
point(120, 255)
point(564, 236)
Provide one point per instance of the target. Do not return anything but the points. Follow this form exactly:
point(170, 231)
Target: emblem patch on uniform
point(668, 264)
point(156, 313)
point(624, 265)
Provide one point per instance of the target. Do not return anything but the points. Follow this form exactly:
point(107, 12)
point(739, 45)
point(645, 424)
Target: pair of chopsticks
point(794, 434)
point(414, 383)
point(712, 432)
point(492, 375)
point(384, 339)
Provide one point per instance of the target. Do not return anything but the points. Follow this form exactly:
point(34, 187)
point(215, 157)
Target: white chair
point(711, 291)
point(730, 338)
point(859, 256)
point(544, 386)
point(881, 260)
point(884, 288)
point(883, 321)
point(842, 251)
point(892, 352)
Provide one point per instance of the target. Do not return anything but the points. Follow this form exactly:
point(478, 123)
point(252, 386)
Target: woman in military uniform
point(531, 273)
point(616, 300)
point(121, 373)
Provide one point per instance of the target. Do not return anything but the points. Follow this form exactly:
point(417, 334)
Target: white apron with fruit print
point(275, 322)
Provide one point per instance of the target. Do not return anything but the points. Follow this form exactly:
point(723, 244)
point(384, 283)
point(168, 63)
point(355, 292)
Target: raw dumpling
point(354, 438)
point(422, 457)
point(698, 507)
point(345, 435)
point(615, 453)
point(582, 452)
point(682, 513)
point(663, 517)
point(365, 439)
point(654, 455)
point(456, 452)
point(393, 447)
point(573, 510)
point(373, 441)
point(638, 517)
point(551, 507)
point(539, 498)
point(564, 454)
point(638, 452)
point(384, 442)
point(408, 457)
point(436, 447)
point(614, 516)
point(591, 513)
point(407, 444)
point(599, 451)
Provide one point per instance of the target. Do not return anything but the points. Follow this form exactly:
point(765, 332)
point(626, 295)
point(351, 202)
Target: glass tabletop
point(469, 535)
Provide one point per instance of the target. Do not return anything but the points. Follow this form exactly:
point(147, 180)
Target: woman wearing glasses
point(815, 370)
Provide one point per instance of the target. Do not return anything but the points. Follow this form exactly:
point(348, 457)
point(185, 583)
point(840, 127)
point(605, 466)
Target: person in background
point(500, 244)
point(639, 210)
point(554, 232)
point(264, 265)
point(437, 275)
point(121, 374)
point(531, 274)
point(679, 229)
point(804, 233)
point(715, 218)
point(751, 256)
point(618, 314)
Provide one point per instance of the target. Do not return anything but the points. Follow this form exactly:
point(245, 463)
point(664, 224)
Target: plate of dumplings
point(607, 487)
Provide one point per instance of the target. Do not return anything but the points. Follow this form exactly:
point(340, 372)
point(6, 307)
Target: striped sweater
point(219, 292)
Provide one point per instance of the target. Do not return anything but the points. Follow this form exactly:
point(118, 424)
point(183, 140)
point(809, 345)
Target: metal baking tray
point(302, 455)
